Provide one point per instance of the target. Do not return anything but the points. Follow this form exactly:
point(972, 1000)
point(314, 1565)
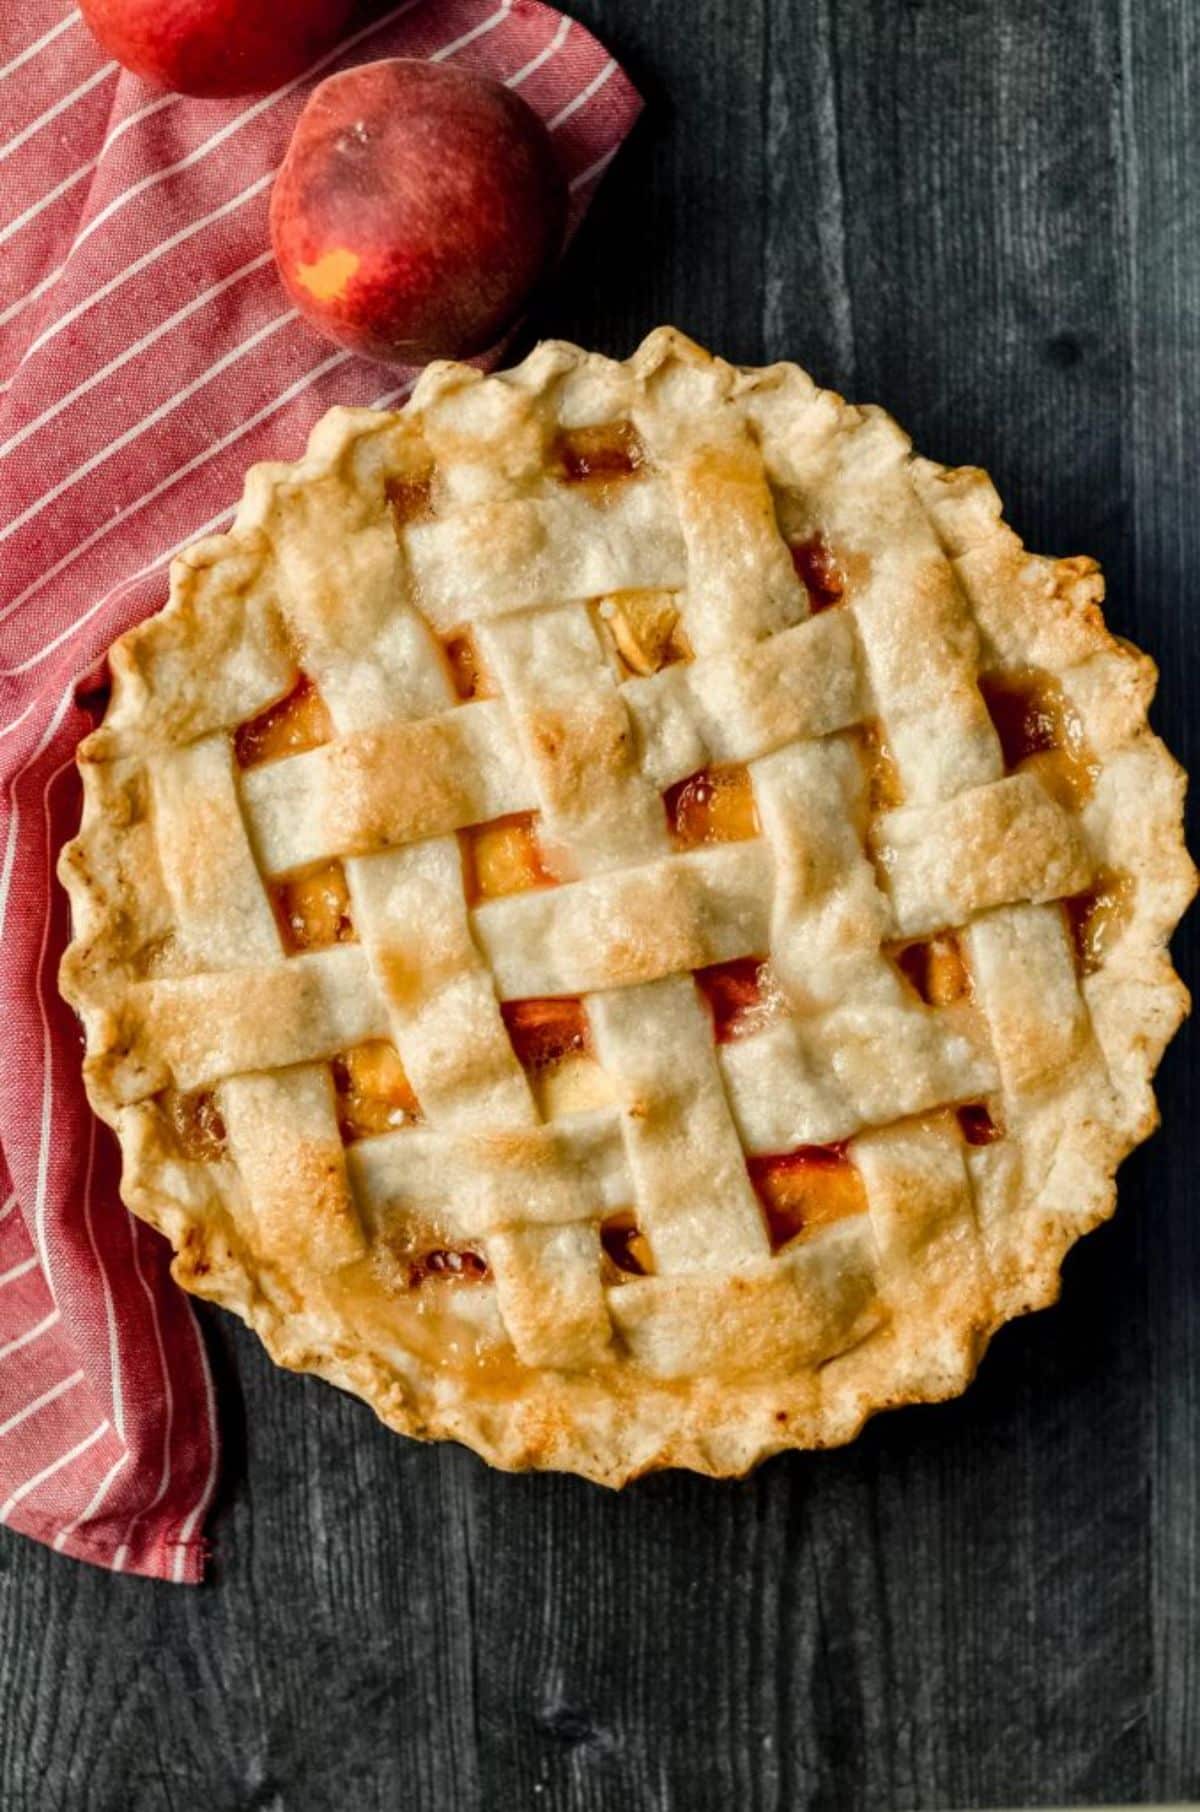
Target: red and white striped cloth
point(147, 357)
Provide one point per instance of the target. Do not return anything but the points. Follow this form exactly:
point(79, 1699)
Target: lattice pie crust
point(621, 916)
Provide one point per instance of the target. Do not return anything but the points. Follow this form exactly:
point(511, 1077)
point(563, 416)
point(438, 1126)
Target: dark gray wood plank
point(984, 214)
point(1159, 122)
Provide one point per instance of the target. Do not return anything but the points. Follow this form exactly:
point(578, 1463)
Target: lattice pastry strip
point(576, 738)
point(745, 701)
point(670, 727)
point(222, 914)
point(283, 1137)
point(441, 1007)
point(635, 924)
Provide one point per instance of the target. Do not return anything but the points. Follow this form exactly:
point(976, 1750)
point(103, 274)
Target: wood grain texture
point(984, 214)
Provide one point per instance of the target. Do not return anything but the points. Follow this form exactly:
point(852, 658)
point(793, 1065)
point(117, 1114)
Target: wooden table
point(984, 214)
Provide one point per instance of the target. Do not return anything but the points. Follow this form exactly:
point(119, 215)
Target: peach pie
point(621, 916)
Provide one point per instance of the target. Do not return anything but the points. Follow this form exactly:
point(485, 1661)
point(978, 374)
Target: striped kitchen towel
point(147, 357)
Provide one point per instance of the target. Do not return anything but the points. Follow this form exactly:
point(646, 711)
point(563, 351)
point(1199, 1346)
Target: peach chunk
point(503, 856)
point(373, 1093)
point(298, 722)
point(645, 630)
point(936, 969)
point(805, 1189)
point(977, 1125)
point(466, 668)
point(607, 451)
point(545, 1032)
point(819, 572)
point(313, 908)
point(1095, 918)
point(1040, 732)
point(714, 806)
point(196, 1122)
point(553, 1042)
point(743, 997)
point(626, 1249)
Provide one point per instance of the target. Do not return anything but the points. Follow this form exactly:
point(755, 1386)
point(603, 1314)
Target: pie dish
point(621, 916)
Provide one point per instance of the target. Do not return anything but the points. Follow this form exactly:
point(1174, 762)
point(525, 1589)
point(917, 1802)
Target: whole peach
point(416, 209)
point(212, 48)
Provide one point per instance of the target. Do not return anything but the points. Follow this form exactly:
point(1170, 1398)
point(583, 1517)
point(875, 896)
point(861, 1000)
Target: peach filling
point(714, 806)
point(805, 1189)
point(604, 452)
point(466, 668)
point(742, 996)
point(626, 1250)
point(546, 1032)
point(644, 629)
point(298, 722)
point(414, 1251)
point(196, 1122)
point(312, 909)
point(1040, 733)
point(503, 856)
point(977, 1125)
point(1095, 918)
point(936, 969)
point(553, 1042)
point(447, 1265)
point(373, 1093)
point(819, 572)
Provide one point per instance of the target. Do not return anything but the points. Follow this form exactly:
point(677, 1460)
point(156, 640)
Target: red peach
point(416, 209)
point(213, 48)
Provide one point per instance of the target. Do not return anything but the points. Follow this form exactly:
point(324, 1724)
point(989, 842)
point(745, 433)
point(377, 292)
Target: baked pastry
point(621, 916)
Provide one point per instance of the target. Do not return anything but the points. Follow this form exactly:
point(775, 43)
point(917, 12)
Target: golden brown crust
point(735, 1347)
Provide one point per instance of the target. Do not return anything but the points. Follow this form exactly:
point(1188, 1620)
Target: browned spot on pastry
point(1077, 577)
point(743, 997)
point(576, 753)
point(191, 1264)
point(159, 955)
point(1095, 918)
point(298, 722)
point(503, 856)
point(626, 1249)
point(643, 630)
point(466, 668)
point(410, 498)
point(374, 1095)
point(610, 450)
point(196, 1122)
point(885, 790)
point(977, 1124)
point(1041, 732)
point(805, 1189)
point(936, 969)
point(312, 909)
point(549, 732)
point(715, 805)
